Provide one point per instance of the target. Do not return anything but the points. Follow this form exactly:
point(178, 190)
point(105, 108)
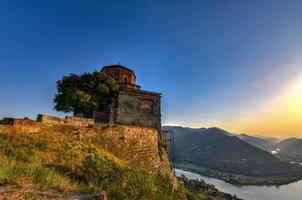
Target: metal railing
point(169, 137)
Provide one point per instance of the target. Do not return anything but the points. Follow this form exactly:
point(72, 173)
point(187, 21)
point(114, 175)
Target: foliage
point(193, 195)
point(125, 183)
point(83, 94)
point(10, 148)
point(6, 172)
point(48, 177)
point(198, 189)
point(99, 171)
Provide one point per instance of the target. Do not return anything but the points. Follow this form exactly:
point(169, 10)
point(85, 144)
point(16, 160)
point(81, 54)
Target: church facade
point(132, 105)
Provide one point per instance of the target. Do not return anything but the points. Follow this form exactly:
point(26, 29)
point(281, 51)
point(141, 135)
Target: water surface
point(292, 191)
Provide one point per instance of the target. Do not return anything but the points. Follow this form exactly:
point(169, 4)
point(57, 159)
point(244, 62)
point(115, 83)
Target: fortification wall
point(15, 121)
point(78, 121)
point(137, 145)
point(70, 121)
point(50, 120)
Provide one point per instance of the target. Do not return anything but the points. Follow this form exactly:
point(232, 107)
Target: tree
point(85, 94)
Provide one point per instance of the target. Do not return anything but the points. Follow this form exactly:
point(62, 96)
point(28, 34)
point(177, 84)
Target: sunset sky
point(233, 64)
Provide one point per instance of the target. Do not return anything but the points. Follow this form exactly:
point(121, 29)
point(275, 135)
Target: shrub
point(10, 147)
point(48, 178)
point(98, 171)
point(7, 175)
point(41, 145)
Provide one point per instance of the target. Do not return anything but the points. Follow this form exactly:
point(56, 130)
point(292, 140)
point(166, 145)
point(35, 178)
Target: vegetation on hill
point(62, 164)
point(259, 142)
point(294, 149)
point(285, 143)
point(84, 94)
point(290, 150)
point(218, 150)
point(200, 188)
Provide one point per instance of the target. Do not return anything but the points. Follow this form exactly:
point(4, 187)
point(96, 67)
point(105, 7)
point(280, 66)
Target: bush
point(99, 171)
point(193, 196)
point(139, 184)
point(41, 145)
point(48, 177)
point(7, 175)
point(10, 148)
point(125, 183)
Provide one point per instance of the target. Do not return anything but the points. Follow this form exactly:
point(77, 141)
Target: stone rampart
point(14, 124)
point(137, 145)
point(70, 121)
point(15, 121)
point(78, 121)
point(50, 120)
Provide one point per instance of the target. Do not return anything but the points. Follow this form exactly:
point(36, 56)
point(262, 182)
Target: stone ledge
point(15, 121)
point(70, 121)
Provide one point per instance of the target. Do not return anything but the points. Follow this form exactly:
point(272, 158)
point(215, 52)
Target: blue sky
point(213, 61)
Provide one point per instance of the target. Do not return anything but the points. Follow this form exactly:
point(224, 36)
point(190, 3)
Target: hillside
point(285, 143)
point(294, 149)
point(259, 142)
point(59, 162)
point(216, 149)
point(290, 150)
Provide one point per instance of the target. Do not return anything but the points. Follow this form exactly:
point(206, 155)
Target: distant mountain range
point(287, 143)
point(260, 142)
point(217, 149)
point(289, 150)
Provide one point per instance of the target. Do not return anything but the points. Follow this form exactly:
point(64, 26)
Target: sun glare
point(279, 117)
point(294, 103)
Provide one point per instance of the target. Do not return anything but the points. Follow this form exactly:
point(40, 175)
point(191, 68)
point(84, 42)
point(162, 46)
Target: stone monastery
point(133, 106)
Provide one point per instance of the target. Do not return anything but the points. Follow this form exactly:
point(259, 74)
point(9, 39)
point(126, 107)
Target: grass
point(57, 161)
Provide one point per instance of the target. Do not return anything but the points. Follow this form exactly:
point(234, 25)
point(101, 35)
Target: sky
point(232, 64)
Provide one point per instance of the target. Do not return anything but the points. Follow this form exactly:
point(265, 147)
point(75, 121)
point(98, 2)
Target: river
point(292, 191)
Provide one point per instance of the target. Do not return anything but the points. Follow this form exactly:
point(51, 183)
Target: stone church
point(132, 106)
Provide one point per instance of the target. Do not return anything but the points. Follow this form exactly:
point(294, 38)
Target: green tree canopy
point(85, 93)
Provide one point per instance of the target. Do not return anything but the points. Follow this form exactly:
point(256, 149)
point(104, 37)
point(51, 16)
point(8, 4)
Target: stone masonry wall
point(15, 121)
point(130, 112)
point(78, 121)
point(137, 145)
point(70, 121)
point(50, 120)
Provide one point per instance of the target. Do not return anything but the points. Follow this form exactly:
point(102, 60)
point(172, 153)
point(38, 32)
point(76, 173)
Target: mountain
point(286, 143)
point(294, 149)
point(259, 142)
point(185, 137)
point(220, 150)
point(290, 149)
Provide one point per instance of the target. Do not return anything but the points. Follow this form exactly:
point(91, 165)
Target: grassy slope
point(60, 164)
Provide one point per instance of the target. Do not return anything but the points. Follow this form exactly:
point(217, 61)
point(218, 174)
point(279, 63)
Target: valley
point(220, 154)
